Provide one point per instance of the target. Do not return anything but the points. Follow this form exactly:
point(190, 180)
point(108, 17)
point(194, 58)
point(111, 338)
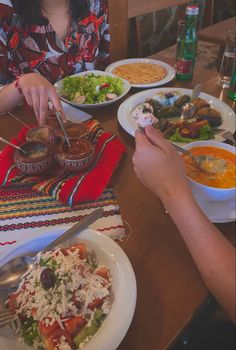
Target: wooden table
point(170, 289)
point(216, 33)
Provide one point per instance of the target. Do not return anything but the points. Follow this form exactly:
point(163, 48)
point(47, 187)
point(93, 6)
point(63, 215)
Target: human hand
point(38, 92)
point(158, 165)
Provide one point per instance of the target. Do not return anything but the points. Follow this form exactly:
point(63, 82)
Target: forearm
point(212, 252)
point(9, 98)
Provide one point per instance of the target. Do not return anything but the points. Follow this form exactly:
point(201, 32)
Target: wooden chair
point(208, 17)
point(120, 11)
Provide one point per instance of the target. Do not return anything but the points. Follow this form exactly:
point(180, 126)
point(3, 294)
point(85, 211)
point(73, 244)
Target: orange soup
point(224, 179)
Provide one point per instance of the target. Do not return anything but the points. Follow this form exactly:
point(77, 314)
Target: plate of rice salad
point(91, 89)
point(73, 298)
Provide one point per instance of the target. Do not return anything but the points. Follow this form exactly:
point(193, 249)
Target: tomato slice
point(12, 301)
point(95, 303)
point(105, 85)
point(33, 311)
point(44, 330)
point(73, 325)
point(103, 272)
point(82, 250)
point(52, 340)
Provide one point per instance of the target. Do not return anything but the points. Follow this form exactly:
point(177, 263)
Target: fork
point(227, 135)
point(6, 317)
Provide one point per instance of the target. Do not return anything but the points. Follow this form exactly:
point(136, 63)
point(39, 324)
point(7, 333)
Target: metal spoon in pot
point(12, 144)
point(209, 164)
point(12, 271)
point(59, 118)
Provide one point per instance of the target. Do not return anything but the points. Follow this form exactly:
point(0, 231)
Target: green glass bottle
point(186, 49)
point(232, 85)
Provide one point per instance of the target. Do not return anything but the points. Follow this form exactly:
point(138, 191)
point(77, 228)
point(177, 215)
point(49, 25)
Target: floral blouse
point(36, 48)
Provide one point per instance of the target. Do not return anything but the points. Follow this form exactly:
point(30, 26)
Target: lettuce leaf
point(90, 86)
point(206, 133)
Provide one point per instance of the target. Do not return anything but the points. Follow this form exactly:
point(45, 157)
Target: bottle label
point(184, 66)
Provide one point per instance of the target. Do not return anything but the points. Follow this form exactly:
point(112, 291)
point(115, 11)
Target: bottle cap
point(192, 10)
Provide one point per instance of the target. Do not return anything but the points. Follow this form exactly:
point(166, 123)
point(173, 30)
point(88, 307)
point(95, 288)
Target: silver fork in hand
point(7, 316)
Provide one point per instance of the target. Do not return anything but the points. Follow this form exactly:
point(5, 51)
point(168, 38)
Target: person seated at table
point(43, 41)
point(159, 167)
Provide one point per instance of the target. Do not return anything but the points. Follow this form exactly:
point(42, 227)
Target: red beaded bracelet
point(17, 85)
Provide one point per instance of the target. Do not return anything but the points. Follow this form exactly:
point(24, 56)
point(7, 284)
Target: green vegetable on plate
point(91, 88)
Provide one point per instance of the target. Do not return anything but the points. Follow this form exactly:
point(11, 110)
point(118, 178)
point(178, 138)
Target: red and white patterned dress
point(36, 48)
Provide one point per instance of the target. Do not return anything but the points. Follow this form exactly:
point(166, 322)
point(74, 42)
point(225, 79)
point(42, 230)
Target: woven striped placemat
point(25, 213)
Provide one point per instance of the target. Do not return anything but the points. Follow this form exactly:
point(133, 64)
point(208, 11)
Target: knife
point(227, 135)
point(80, 226)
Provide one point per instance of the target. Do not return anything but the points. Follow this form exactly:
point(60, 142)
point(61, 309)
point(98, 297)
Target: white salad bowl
point(126, 87)
point(208, 193)
point(124, 289)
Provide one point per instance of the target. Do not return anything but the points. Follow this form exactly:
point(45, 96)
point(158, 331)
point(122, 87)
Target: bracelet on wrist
point(17, 85)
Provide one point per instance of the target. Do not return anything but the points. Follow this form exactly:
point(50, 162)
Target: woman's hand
point(38, 91)
point(158, 165)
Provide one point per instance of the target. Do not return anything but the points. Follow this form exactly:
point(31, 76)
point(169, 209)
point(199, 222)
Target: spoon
point(16, 118)
point(209, 164)
point(12, 271)
point(12, 144)
point(188, 108)
point(59, 118)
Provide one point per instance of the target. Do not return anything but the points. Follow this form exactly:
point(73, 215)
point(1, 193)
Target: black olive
point(146, 110)
point(48, 278)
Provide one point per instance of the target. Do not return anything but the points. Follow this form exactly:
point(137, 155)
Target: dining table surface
point(216, 33)
point(170, 289)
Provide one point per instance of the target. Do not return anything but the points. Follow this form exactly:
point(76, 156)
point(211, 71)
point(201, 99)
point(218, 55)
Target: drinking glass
point(232, 85)
point(180, 37)
point(228, 59)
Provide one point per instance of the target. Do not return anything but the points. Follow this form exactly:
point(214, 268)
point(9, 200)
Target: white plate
point(126, 87)
point(169, 76)
point(124, 288)
point(75, 114)
point(128, 123)
point(217, 212)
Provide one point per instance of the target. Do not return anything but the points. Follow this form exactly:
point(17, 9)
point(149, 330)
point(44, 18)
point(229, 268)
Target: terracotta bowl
point(78, 157)
point(38, 159)
point(43, 133)
point(52, 121)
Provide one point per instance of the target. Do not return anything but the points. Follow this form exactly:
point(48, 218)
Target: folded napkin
point(69, 188)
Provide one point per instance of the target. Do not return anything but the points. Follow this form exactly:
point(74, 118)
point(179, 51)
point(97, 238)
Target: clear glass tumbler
point(228, 59)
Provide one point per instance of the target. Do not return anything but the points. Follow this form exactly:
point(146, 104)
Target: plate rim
point(127, 87)
point(170, 70)
point(121, 115)
point(213, 218)
point(115, 337)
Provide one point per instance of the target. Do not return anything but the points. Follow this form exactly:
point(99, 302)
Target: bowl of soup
point(218, 186)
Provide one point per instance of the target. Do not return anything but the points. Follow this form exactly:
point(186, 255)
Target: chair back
point(120, 11)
